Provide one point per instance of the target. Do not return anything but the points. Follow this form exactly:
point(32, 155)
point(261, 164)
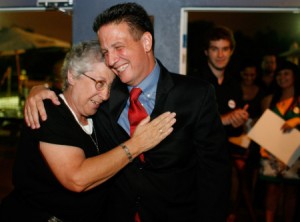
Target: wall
point(166, 19)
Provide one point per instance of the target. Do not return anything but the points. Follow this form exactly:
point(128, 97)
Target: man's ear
point(206, 52)
point(147, 41)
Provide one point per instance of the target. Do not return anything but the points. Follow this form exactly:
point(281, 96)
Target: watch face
point(231, 104)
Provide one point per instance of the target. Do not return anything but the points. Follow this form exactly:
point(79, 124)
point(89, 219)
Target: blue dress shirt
point(147, 97)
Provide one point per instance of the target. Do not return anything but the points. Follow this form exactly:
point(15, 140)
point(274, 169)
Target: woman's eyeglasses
point(99, 84)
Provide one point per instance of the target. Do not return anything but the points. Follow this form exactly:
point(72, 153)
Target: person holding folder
point(282, 181)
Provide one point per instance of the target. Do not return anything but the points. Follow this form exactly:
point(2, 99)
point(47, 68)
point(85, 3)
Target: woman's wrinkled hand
point(148, 134)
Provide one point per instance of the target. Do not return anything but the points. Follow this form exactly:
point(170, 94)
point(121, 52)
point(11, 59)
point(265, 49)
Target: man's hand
point(236, 118)
point(34, 105)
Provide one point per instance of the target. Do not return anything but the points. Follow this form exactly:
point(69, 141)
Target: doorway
point(282, 24)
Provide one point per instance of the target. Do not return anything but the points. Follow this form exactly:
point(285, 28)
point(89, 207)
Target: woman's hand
point(148, 134)
point(290, 124)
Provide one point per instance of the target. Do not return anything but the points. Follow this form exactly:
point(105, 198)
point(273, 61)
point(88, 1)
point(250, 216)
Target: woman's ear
point(70, 78)
point(147, 41)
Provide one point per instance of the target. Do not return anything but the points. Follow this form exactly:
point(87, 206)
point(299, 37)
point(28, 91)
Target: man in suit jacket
point(186, 177)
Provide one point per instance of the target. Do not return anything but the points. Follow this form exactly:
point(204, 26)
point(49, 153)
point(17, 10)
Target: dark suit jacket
point(186, 177)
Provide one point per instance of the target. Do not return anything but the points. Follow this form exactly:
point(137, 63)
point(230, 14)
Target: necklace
point(88, 129)
point(95, 141)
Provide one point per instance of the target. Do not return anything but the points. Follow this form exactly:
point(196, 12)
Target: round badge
point(296, 110)
point(231, 104)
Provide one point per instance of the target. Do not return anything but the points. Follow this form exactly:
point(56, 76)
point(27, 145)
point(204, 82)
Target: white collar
point(86, 128)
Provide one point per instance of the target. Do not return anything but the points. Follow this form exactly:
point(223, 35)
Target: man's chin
point(220, 68)
point(124, 80)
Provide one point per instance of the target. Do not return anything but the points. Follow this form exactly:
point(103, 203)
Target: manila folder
point(268, 134)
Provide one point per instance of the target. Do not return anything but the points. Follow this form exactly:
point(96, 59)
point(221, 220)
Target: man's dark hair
point(217, 33)
point(133, 14)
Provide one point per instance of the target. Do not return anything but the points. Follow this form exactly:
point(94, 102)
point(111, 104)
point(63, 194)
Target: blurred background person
point(253, 93)
point(248, 161)
point(219, 47)
point(282, 182)
point(267, 72)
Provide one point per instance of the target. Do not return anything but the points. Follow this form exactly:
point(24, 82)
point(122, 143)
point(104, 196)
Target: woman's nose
point(105, 93)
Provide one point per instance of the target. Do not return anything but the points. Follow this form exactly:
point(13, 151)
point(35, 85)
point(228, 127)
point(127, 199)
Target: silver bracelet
point(125, 148)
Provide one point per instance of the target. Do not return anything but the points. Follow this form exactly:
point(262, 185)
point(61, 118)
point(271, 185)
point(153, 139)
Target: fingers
point(52, 96)
point(27, 115)
point(166, 132)
point(148, 134)
point(165, 126)
point(239, 117)
point(162, 127)
point(31, 112)
point(245, 108)
point(164, 123)
point(237, 121)
point(163, 118)
point(144, 121)
point(286, 128)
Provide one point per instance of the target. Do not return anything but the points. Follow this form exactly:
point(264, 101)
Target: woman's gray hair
point(80, 59)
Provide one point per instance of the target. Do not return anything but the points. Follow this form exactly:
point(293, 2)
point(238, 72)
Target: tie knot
point(135, 93)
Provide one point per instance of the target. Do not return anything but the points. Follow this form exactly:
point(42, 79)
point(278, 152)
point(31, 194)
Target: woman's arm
point(78, 173)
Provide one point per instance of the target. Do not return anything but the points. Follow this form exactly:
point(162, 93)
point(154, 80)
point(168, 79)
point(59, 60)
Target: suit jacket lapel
point(118, 98)
point(165, 84)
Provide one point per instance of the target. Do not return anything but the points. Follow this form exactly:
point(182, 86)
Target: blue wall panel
point(166, 19)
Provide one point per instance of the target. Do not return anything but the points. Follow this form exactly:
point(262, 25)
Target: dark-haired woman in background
point(282, 182)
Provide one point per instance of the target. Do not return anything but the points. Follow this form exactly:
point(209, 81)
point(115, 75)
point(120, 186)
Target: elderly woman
point(60, 171)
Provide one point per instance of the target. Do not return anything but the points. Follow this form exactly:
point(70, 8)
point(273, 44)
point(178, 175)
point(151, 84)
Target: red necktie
point(136, 113)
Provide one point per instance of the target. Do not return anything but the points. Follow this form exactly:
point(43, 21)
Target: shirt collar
point(149, 84)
